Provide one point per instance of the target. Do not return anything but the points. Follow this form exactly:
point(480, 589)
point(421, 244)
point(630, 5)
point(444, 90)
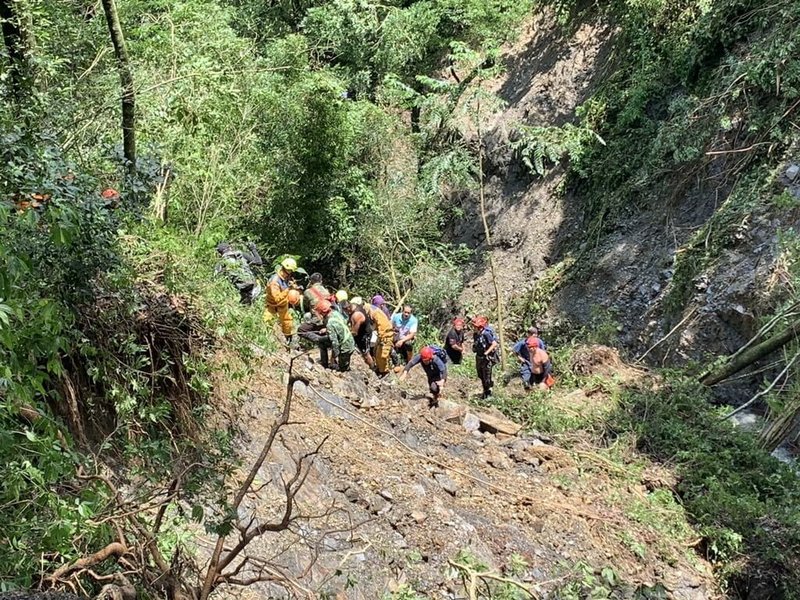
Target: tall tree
point(18, 39)
point(126, 80)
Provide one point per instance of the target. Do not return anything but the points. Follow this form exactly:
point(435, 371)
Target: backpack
point(438, 351)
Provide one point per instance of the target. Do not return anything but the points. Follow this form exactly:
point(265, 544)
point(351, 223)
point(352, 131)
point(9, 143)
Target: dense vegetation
point(328, 130)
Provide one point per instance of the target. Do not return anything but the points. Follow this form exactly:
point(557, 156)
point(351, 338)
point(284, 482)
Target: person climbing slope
point(279, 296)
point(361, 328)
point(454, 341)
point(434, 367)
point(378, 301)
point(541, 366)
point(524, 350)
point(485, 345)
point(236, 266)
point(339, 339)
point(405, 326)
point(312, 323)
point(383, 345)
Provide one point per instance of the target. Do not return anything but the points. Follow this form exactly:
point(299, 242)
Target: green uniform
point(339, 333)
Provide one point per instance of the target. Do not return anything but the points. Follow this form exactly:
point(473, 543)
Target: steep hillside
point(680, 222)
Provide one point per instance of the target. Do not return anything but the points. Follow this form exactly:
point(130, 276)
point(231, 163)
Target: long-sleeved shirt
point(436, 370)
point(313, 295)
point(277, 291)
point(339, 334)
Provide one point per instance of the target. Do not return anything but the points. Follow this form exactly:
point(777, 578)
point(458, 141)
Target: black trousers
point(484, 367)
point(310, 331)
point(454, 355)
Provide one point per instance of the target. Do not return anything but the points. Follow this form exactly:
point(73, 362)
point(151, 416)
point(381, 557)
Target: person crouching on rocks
point(337, 337)
point(541, 367)
point(435, 369)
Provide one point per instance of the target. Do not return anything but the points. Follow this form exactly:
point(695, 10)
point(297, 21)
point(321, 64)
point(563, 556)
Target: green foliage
point(728, 486)
point(689, 77)
point(539, 146)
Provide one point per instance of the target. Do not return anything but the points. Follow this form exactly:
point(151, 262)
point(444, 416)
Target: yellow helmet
point(341, 296)
point(357, 300)
point(289, 264)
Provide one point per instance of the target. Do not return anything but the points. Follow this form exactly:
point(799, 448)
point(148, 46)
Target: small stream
point(751, 421)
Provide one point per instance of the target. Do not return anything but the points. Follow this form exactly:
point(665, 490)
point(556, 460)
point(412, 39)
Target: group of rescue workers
point(340, 325)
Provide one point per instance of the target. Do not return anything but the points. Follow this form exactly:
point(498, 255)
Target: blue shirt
point(405, 326)
point(436, 370)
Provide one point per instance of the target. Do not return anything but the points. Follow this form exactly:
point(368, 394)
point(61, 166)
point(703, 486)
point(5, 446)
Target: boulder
point(495, 422)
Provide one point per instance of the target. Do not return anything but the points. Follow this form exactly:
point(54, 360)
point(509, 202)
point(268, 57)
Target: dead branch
point(763, 392)
point(214, 573)
point(471, 578)
point(115, 549)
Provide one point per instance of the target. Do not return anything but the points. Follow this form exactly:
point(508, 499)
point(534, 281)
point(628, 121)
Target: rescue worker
point(435, 370)
point(236, 266)
point(405, 326)
point(454, 341)
point(485, 345)
point(379, 302)
point(339, 299)
point(310, 328)
point(338, 338)
point(523, 350)
point(361, 328)
point(277, 300)
point(385, 338)
point(541, 366)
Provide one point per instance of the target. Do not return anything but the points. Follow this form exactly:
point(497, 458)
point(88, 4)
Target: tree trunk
point(781, 427)
point(747, 358)
point(126, 80)
point(18, 39)
point(498, 296)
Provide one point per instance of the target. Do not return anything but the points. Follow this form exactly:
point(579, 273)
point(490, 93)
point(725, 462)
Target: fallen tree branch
point(115, 549)
point(765, 391)
point(663, 339)
point(214, 572)
point(471, 578)
point(745, 359)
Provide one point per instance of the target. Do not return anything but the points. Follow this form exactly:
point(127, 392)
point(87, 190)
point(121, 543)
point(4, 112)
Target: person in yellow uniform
point(383, 347)
point(279, 298)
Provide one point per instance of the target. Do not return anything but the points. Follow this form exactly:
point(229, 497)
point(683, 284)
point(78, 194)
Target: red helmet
point(458, 321)
point(323, 307)
point(532, 342)
point(426, 353)
point(480, 321)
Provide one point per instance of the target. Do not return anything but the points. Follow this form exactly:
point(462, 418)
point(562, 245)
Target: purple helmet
point(377, 300)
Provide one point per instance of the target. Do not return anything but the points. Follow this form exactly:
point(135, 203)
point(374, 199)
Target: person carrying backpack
point(485, 344)
point(339, 339)
point(433, 363)
point(236, 266)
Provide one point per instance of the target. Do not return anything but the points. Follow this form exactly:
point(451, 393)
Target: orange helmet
point(532, 342)
point(323, 307)
point(458, 321)
point(480, 321)
point(426, 353)
point(294, 297)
